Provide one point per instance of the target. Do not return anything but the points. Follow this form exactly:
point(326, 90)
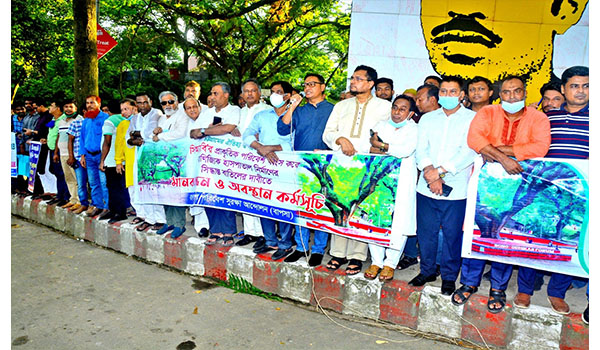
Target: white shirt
point(230, 114)
point(402, 141)
point(353, 120)
point(173, 127)
point(145, 124)
point(247, 114)
point(442, 141)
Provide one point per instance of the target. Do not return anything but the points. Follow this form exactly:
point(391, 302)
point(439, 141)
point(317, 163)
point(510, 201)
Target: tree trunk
point(86, 57)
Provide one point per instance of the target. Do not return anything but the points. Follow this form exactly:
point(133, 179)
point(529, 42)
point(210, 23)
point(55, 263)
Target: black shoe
point(420, 280)
point(315, 259)
point(106, 216)
point(281, 253)
point(406, 262)
point(46, 197)
point(265, 248)
point(585, 316)
point(203, 232)
point(53, 201)
point(260, 242)
point(295, 256)
point(448, 287)
point(61, 202)
point(246, 240)
point(117, 218)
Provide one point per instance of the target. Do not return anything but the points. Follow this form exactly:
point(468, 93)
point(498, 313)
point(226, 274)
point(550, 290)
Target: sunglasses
point(164, 103)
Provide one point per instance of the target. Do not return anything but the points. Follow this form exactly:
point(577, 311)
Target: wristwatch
point(441, 173)
point(382, 148)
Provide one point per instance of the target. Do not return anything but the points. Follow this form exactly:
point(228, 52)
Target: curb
point(422, 309)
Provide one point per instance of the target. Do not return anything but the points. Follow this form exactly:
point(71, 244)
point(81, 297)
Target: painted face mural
point(495, 38)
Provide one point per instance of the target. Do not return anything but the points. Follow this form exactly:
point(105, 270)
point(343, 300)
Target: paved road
point(68, 294)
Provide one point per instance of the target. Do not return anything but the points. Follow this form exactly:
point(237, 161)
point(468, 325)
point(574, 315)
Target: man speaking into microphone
point(307, 123)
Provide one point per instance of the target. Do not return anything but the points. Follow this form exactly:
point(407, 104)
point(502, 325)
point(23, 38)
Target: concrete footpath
point(420, 308)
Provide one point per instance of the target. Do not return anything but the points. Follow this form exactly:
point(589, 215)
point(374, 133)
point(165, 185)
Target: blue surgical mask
point(397, 125)
point(448, 102)
point(512, 108)
point(276, 100)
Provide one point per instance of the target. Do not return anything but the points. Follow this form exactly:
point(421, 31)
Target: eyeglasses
point(359, 79)
point(164, 103)
point(311, 84)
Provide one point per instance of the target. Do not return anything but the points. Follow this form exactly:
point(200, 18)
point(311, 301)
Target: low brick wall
point(423, 309)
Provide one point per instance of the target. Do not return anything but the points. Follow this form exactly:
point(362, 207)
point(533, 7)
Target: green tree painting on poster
point(548, 200)
point(160, 161)
point(363, 187)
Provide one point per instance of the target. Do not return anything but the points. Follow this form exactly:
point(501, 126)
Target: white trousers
point(382, 256)
point(252, 225)
point(200, 218)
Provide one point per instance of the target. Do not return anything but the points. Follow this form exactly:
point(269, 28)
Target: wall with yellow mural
point(406, 40)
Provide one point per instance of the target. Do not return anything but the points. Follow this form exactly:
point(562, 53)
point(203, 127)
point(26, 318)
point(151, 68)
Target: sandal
point(460, 292)
point(227, 241)
point(142, 227)
point(387, 274)
point(137, 220)
point(372, 272)
point(335, 263)
point(212, 239)
point(496, 297)
point(351, 271)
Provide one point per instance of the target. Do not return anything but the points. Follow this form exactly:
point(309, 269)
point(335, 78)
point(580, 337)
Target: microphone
point(301, 94)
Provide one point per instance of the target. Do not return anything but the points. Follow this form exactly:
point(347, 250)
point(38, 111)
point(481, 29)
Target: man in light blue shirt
point(264, 124)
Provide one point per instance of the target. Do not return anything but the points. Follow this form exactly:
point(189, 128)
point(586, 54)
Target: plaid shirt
point(17, 128)
point(75, 130)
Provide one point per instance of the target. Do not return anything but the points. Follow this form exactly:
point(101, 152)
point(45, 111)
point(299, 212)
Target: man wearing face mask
point(500, 133)
point(445, 162)
point(269, 141)
point(399, 139)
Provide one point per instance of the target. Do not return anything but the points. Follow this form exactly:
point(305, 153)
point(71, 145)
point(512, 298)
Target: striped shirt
point(570, 133)
point(75, 130)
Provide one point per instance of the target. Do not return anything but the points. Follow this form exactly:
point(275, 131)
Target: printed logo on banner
point(34, 155)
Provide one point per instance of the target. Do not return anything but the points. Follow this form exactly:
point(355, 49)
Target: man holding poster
point(569, 127)
point(500, 133)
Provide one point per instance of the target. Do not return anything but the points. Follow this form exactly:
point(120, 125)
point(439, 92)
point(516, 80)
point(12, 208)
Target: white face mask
point(514, 107)
point(276, 100)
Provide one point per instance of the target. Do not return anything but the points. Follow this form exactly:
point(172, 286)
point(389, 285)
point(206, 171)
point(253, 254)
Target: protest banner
point(537, 219)
point(351, 196)
point(13, 155)
point(34, 155)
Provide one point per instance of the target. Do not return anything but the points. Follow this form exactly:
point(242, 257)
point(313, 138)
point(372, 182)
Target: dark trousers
point(221, 221)
point(557, 287)
point(62, 190)
point(38, 188)
point(449, 214)
point(285, 230)
point(118, 196)
point(410, 248)
point(472, 271)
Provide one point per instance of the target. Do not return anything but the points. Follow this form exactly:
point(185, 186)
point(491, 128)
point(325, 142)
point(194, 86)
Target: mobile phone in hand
point(373, 133)
point(216, 120)
point(446, 190)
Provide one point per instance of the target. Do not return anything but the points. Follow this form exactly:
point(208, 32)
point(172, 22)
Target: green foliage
point(234, 40)
point(241, 285)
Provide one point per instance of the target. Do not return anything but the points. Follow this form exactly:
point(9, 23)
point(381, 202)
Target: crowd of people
point(441, 127)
